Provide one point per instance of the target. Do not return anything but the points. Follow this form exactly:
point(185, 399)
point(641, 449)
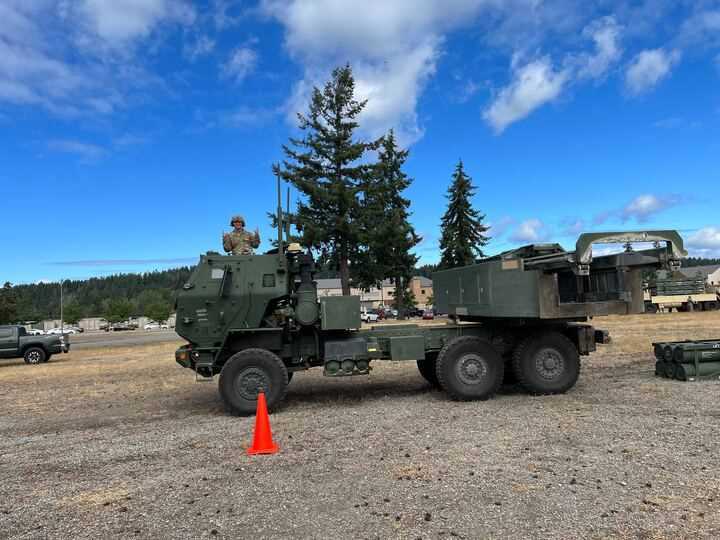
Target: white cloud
point(529, 231)
point(643, 207)
point(246, 116)
point(87, 151)
point(242, 62)
point(393, 48)
point(705, 242)
point(202, 46)
point(605, 33)
point(537, 82)
point(702, 28)
point(573, 226)
point(500, 227)
point(648, 68)
point(120, 21)
point(54, 54)
point(225, 13)
point(533, 85)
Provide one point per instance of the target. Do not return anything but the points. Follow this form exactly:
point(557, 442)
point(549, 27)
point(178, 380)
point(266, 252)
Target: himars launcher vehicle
point(256, 319)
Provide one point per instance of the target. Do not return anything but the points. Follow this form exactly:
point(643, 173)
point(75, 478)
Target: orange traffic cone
point(262, 438)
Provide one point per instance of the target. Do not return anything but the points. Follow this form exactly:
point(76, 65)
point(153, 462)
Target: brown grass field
point(122, 443)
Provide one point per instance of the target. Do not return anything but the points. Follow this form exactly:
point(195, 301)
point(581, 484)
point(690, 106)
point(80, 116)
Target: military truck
point(16, 342)
point(256, 320)
point(679, 292)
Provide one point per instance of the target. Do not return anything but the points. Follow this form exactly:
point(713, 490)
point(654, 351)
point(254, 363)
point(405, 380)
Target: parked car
point(36, 332)
point(116, 327)
point(63, 330)
point(155, 326)
point(415, 312)
point(15, 342)
point(369, 316)
point(428, 314)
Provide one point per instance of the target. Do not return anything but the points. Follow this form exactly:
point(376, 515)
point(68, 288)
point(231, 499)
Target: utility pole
point(61, 307)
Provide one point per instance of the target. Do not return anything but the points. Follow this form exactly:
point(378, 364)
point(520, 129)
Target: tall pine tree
point(386, 235)
point(463, 231)
point(8, 304)
point(325, 166)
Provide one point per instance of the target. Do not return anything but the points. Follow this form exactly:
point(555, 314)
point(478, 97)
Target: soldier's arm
point(256, 239)
point(227, 242)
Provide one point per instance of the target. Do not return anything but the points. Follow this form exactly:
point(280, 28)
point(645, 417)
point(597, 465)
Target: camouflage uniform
point(240, 242)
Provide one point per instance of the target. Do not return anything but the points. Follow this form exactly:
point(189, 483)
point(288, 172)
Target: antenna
point(279, 218)
point(287, 214)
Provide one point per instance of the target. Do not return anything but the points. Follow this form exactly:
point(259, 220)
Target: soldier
point(239, 241)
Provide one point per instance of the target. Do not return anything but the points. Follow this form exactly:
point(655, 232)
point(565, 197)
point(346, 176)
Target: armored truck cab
point(255, 320)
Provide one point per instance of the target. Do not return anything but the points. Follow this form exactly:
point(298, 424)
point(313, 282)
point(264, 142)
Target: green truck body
point(256, 320)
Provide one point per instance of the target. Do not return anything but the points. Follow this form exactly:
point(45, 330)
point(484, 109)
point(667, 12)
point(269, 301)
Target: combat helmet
point(237, 218)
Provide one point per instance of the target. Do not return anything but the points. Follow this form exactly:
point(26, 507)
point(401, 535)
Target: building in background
point(382, 296)
point(422, 289)
point(711, 273)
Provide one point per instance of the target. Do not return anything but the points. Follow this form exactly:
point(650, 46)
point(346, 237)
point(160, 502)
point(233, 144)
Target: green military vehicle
point(256, 320)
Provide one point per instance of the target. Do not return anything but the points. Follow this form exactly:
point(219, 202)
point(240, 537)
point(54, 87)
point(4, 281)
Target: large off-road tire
point(428, 369)
point(546, 363)
point(245, 374)
point(469, 368)
point(35, 355)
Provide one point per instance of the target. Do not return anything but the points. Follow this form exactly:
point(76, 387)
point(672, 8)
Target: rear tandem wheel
point(469, 368)
point(546, 363)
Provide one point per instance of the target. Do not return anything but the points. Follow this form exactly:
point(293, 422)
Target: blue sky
point(130, 130)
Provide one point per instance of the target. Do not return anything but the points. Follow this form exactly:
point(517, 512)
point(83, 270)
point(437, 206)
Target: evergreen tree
point(325, 166)
point(159, 311)
point(118, 310)
point(72, 312)
point(386, 235)
point(8, 304)
point(463, 231)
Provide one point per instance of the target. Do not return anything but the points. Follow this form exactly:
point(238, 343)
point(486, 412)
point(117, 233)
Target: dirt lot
point(121, 442)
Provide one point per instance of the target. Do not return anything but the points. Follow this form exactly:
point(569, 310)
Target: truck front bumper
point(182, 356)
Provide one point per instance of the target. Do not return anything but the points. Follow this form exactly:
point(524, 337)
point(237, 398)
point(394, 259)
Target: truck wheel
point(245, 374)
point(34, 355)
point(469, 368)
point(546, 364)
point(428, 369)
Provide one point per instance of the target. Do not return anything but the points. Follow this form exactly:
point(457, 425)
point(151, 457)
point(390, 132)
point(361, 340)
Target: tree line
point(114, 297)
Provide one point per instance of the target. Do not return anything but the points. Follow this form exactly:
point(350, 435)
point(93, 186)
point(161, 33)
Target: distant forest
point(698, 261)
point(94, 297)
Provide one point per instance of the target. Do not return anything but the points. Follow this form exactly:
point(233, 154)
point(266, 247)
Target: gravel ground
point(122, 443)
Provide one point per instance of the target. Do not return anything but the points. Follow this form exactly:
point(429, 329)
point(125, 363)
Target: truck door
point(8, 342)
